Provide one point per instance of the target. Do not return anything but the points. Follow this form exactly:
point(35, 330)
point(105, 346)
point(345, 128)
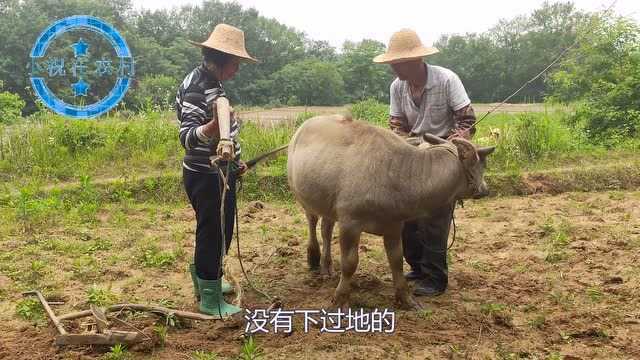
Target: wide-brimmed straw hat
point(404, 45)
point(228, 39)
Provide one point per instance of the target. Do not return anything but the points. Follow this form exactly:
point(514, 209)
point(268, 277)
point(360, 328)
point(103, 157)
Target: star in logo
point(80, 88)
point(80, 48)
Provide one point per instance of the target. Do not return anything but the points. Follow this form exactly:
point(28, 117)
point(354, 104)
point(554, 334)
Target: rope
point(223, 196)
point(562, 53)
point(240, 261)
point(453, 221)
point(223, 228)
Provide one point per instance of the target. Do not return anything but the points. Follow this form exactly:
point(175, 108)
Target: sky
point(336, 21)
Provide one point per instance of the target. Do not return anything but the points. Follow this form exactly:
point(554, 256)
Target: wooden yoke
point(225, 146)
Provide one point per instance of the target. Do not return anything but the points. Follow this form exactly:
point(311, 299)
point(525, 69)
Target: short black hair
point(215, 56)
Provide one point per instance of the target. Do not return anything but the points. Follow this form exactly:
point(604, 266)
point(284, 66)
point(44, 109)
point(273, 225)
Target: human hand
point(225, 150)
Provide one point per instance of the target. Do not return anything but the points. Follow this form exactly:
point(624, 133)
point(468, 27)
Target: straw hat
point(404, 45)
point(228, 39)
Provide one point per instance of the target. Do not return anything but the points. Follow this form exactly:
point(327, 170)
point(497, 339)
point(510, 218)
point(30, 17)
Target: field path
point(271, 117)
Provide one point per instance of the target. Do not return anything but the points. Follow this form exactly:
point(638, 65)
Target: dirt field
point(540, 277)
point(288, 114)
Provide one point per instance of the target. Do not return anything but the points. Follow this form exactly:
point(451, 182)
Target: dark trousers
point(424, 243)
point(204, 192)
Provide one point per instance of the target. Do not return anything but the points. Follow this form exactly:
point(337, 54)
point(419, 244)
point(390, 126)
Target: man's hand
point(463, 133)
point(464, 120)
point(398, 126)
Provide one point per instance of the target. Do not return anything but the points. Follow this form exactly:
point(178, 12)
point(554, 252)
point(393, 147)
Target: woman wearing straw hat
point(425, 99)
point(209, 130)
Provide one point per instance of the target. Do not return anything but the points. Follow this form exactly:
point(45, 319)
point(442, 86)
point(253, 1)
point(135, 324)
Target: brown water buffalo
point(369, 179)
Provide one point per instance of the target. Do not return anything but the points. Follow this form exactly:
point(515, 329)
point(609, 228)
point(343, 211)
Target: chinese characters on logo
point(81, 68)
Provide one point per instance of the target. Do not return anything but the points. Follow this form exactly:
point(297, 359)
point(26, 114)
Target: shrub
point(603, 76)
point(304, 116)
point(372, 111)
point(30, 309)
point(78, 136)
point(536, 136)
point(157, 92)
point(11, 106)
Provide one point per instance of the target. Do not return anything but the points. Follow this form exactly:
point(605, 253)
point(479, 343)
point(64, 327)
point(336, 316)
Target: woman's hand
point(211, 129)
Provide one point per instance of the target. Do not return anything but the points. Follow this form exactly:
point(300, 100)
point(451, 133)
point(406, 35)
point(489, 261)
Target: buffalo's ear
point(485, 151)
point(466, 151)
point(433, 140)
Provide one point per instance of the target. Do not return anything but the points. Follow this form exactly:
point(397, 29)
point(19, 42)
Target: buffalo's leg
point(313, 248)
point(393, 247)
point(326, 227)
point(349, 239)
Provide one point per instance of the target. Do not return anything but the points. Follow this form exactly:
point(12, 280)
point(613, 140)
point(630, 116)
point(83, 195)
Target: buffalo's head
point(474, 162)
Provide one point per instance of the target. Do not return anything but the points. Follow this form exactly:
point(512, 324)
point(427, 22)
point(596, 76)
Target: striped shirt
point(194, 108)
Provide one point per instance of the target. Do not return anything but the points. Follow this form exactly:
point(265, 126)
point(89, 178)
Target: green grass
point(100, 297)
point(141, 156)
point(117, 352)
point(51, 149)
point(30, 309)
point(153, 257)
point(425, 314)
point(250, 350)
point(161, 331)
point(538, 322)
point(491, 308)
point(557, 236)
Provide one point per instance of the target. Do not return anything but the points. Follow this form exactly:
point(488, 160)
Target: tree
point(309, 82)
point(362, 77)
point(320, 50)
point(21, 23)
point(602, 74)
point(494, 64)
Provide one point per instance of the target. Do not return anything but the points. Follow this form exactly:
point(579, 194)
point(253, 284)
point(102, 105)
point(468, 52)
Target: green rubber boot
point(211, 300)
point(226, 287)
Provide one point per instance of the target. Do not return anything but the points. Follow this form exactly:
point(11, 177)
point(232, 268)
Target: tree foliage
point(308, 82)
point(362, 77)
point(492, 65)
point(297, 70)
point(602, 74)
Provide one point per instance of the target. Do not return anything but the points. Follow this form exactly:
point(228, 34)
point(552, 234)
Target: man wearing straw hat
point(209, 130)
point(425, 99)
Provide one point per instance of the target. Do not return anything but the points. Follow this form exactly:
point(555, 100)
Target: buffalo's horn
point(486, 151)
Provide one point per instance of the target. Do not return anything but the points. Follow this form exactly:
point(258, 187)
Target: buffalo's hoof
point(313, 260)
point(342, 302)
point(409, 303)
point(325, 271)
